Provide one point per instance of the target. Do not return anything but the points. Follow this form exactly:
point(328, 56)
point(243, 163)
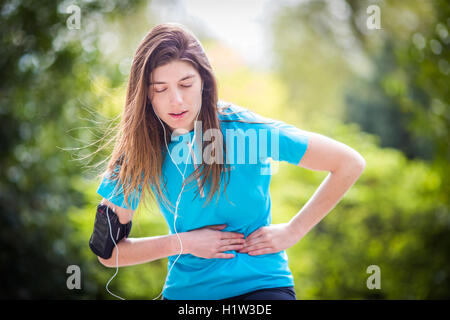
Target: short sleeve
point(113, 191)
point(268, 138)
point(292, 142)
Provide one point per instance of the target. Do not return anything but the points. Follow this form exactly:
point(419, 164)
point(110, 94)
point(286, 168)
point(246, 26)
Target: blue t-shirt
point(250, 141)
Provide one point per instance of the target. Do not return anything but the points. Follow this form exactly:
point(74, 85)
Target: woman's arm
point(124, 215)
point(138, 250)
point(207, 242)
point(134, 251)
point(345, 166)
point(323, 154)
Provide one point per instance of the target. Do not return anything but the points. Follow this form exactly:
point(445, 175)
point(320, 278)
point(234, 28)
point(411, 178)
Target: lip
point(179, 115)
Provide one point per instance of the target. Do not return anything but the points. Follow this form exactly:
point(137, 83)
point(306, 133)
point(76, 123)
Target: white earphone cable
point(117, 257)
point(176, 204)
point(181, 191)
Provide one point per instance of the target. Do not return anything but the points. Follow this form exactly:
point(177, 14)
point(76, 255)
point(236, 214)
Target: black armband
point(100, 242)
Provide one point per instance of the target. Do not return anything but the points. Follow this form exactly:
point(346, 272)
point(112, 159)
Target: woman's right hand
point(209, 242)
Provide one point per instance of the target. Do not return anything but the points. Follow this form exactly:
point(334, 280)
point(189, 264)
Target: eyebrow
point(184, 78)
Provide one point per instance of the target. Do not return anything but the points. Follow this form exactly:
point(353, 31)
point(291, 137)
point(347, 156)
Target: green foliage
point(45, 74)
point(382, 92)
point(396, 215)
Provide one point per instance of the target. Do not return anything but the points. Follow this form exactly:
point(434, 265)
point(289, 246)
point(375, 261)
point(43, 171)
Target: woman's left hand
point(270, 239)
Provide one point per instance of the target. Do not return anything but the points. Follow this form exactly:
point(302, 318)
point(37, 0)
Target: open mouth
point(178, 115)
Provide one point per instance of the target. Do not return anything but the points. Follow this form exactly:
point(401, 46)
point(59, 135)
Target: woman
point(207, 164)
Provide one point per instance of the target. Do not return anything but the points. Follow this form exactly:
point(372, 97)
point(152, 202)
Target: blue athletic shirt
point(246, 207)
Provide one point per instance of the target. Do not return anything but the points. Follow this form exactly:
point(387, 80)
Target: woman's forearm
point(134, 251)
point(329, 193)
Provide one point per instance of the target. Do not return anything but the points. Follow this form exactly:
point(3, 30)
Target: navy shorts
point(282, 293)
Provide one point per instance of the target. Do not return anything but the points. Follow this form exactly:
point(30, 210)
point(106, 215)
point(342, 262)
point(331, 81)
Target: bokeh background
point(319, 65)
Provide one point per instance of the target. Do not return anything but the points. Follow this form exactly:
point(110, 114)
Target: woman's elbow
point(105, 262)
point(360, 162)
point(113, 260)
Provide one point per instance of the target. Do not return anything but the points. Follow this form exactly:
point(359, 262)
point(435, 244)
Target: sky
point(240, 24)
point(245, 26)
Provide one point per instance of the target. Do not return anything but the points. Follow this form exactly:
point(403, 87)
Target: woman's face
point(175, 93)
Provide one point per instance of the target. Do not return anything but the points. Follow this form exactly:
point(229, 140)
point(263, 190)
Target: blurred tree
point(406, 102)
point(46, 71)
point(411, 75)
point(396, 216)
point(392, 82)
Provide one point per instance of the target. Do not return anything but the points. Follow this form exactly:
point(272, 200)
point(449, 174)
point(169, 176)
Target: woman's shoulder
point(230, 112)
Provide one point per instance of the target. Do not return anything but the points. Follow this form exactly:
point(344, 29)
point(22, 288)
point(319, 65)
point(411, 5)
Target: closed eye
point(185, 86)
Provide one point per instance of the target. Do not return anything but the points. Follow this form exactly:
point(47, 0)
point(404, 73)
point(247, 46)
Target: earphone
point(176, 204)
point(117, 257)
point(182, 186)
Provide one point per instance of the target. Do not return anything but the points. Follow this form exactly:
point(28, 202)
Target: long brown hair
point(139, 147)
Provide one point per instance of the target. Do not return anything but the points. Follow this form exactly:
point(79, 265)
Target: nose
point(176, 98)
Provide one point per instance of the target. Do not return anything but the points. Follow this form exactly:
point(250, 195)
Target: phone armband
point(101, 241)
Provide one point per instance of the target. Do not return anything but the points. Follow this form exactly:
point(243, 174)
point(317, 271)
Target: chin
point(179, 126)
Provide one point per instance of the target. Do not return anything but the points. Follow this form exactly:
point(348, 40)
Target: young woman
point(206, 162)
